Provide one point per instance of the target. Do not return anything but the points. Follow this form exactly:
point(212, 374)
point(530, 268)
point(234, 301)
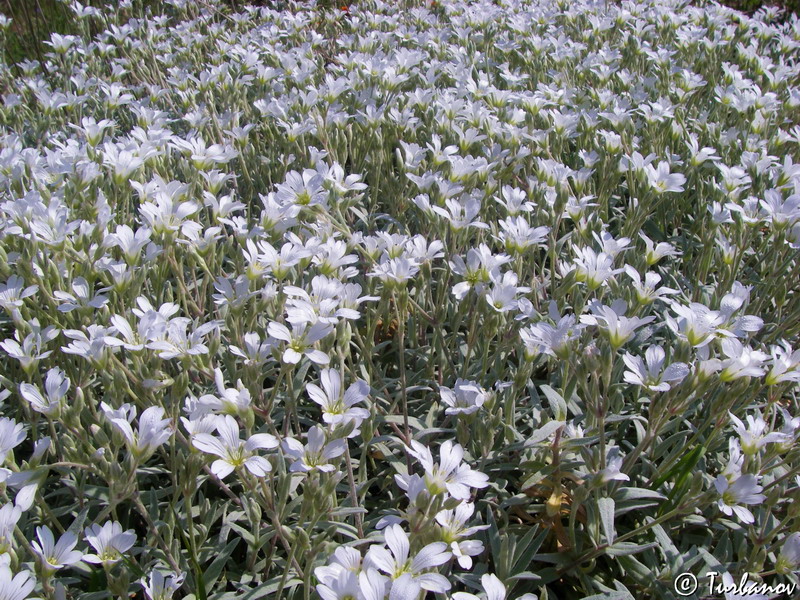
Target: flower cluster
point(471, 299)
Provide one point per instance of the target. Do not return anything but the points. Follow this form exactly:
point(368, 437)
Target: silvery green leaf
point(635, 493)
point(665, 543)
point(606, 508)
point(632, 565)
point(544, 432)
point(214, 570)
point(626, 548)
point(557, 404)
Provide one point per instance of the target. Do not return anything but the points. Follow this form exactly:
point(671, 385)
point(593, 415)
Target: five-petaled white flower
point(316, 454)
point(613, 322)
point(650, 373)
point(465, 398)
point(744, 490)
point(453, 524)
point(756, 435)
point(109, 542)
point(152, 431)
point(449, 475)
point(56, 386)
point(396, 561)
point(56, 555)
point(300, 341)
point(234, 452)
point(339, 408)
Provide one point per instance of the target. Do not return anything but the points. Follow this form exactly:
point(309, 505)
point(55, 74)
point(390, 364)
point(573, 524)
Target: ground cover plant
point(463, 300)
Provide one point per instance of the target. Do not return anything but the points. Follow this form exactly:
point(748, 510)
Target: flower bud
point(98, 435)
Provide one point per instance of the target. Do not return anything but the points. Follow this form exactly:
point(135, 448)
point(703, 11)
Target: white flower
point(255, 351)
point(201, 419)
point(789, 557)
point(737, 326)
point(647, 291)
point(395, 270)
point(454, 527)
point(517, 234)
point(160, 587)
point(422, 252)
point(9, 515)
point(27, 483)
point(334, 578)
point(13, 292)
point(494, 588)
point(316, 454)
point(372, 586)
point(414, 487)
point(613, 465)
point(553, 341)
point(109, 542)
point(609, 245)
point(461, 213)
point(576, 207)
point(152, 431)
point(503, 295)
point(11, 436)
point(123, 162)
point(466, 397)
point(306, 189)
point(755, 436)
point(650, 376)
point(339, 408)
point(591, 268)
point(785, 364)
point(341, 585)
point(396, 561)
point(93, 130)
point(744, 490)
point(31, 350)
point(696, 323)
point(449, 474)
point(613, 321)
point(231, 401)
point(83, 297)
point(300, 341)
point(56, 386)
point(204, 157)
point(232, 451)
point(56, 555)
point(479, 269)
point(15, 587)
point(179, 343)
point(655, 252)
point(741, 362)
point(661, 180)
point(167, 213)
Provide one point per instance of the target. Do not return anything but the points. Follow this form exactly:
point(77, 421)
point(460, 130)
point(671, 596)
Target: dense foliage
point(491, 299)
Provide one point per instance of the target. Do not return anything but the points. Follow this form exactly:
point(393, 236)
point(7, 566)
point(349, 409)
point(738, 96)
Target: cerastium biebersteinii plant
point(459, 300)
